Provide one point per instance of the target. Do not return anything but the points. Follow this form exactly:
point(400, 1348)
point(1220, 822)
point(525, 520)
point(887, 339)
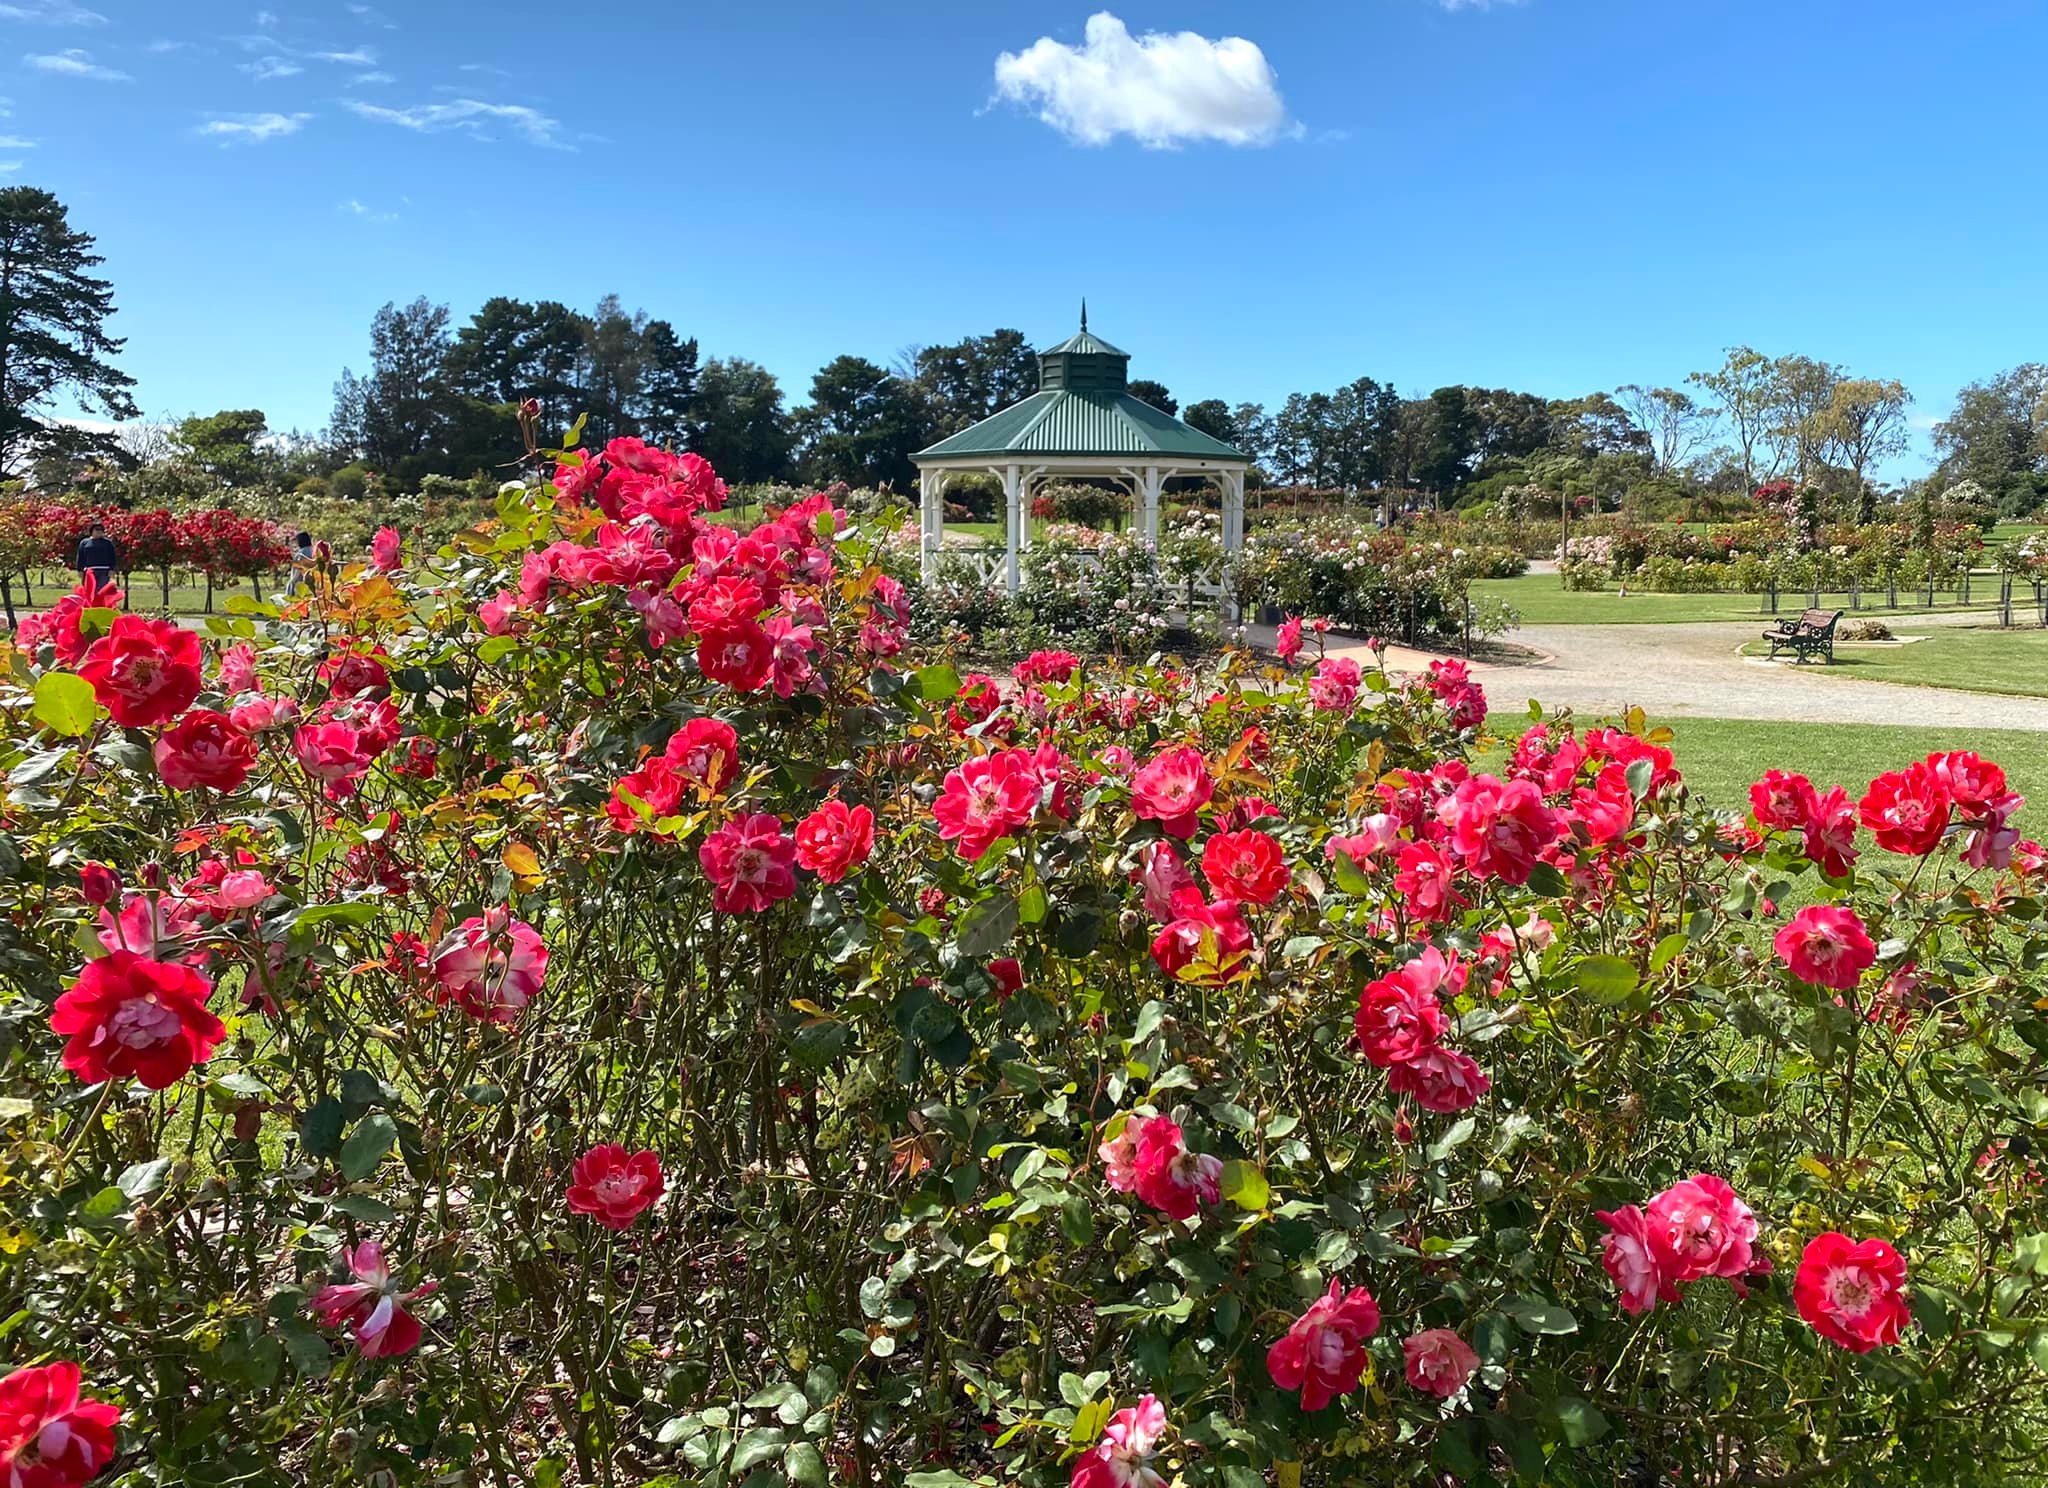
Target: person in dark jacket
point(97, 555)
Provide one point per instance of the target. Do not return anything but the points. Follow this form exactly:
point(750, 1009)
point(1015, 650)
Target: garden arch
point(1082, 422)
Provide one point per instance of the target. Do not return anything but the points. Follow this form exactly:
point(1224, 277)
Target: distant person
point(97, 555)
point(302, 564)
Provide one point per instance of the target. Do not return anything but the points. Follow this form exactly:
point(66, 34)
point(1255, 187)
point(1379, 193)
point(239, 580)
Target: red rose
point(1323, 1355)
point(739, 655)
point(1171, 788)
point(1827, 946)
point(655, 785)
point(146, 672)
point(705, 752)
point(49, 1437)
point(1246, 866)
point(354, 674)
point(1007, 972)
point(1907, 810)
point(128, 1016)
point(615, 1187)
point(1849, 1291)
point(204, 748)
point(835, 839)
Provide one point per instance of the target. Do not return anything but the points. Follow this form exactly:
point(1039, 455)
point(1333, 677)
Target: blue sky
point(1558, 195)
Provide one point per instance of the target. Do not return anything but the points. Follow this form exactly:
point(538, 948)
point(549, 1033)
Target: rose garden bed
point(600, 1003)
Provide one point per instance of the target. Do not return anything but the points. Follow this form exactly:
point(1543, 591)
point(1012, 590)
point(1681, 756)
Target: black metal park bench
point(1812, 634)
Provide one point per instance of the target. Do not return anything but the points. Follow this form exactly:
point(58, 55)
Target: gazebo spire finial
point(1084, 312)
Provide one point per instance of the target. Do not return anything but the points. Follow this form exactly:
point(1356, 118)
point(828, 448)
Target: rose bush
point(599, 1004)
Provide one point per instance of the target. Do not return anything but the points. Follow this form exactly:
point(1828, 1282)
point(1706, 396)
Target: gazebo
point(1082, 421)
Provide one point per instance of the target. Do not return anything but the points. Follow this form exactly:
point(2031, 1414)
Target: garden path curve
point(1693, 670)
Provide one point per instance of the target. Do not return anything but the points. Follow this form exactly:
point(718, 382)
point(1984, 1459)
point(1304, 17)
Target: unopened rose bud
point(98, 883)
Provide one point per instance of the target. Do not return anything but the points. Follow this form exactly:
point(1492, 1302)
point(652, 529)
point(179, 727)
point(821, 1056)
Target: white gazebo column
point(1013, 531)
point(931, 512)
point(1148, 504)
point(1233, 537)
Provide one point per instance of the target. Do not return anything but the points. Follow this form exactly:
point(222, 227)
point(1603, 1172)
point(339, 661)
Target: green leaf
point(805, 1464)
point(758, 1446)
point(771, 1396)
point(13, 1107)
point(365, 1208)
point(144, 1179)
point(1639, 774)
point(937, 684)
point(1244, 1185)
point(1668, 950)
point(1579, 1423)
point(2030, 1253)
point(65, 704)
point(1350, 877)
point(320, 1127)
point(105, 1204)
point(321, 914)
point(1606, 979)
point(1537, 1316)
point(1460, 1133)
point(1544, 879)
point(366, 1146)
point(1089, 1421)
point(989, 926)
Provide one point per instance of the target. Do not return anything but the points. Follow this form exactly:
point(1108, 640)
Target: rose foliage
point(596, 1005)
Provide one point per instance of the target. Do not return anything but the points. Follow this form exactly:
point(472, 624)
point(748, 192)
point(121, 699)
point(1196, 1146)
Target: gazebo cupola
point(1084, 363)
point(1082, 421)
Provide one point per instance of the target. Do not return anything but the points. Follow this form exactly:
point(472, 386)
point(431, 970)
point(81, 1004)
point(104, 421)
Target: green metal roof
point(1085, 343)
point(1094, 422)
point(1082, 408)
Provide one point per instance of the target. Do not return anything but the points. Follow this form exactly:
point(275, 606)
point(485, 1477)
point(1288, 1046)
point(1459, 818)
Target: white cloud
point(163, 46)
point(252, 129)
point(267, 19)
point(370, 15)
point(74, 63)
point(51, 13)
point(489, 68)
point(365, 79)
point(15, 142)
point(360, 57)
point(466, 114)
point(9, 167)
point(355, 208)
point(1160, 89)
point(271, 68)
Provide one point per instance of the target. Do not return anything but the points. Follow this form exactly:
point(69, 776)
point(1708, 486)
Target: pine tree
point(53, 339)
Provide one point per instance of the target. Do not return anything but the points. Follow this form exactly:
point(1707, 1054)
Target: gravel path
point(1694, 671)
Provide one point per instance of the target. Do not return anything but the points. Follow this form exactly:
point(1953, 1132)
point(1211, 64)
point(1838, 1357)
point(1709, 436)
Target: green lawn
point(1541, 599)
point(2011, 662)
point(1720, 757)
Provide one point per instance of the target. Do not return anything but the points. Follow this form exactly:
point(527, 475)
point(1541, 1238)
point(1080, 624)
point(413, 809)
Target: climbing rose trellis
point(590, 1005)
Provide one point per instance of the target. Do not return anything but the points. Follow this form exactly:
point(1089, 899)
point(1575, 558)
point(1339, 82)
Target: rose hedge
point(591, 1005)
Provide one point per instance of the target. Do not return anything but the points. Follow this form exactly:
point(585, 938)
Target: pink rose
point(1323, 1353)
point(1438, 1362)
point(751, 864)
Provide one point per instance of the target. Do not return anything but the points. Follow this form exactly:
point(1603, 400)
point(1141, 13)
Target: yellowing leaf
point(522, 860)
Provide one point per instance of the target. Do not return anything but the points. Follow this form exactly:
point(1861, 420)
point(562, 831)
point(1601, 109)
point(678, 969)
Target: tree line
point(441, 399)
